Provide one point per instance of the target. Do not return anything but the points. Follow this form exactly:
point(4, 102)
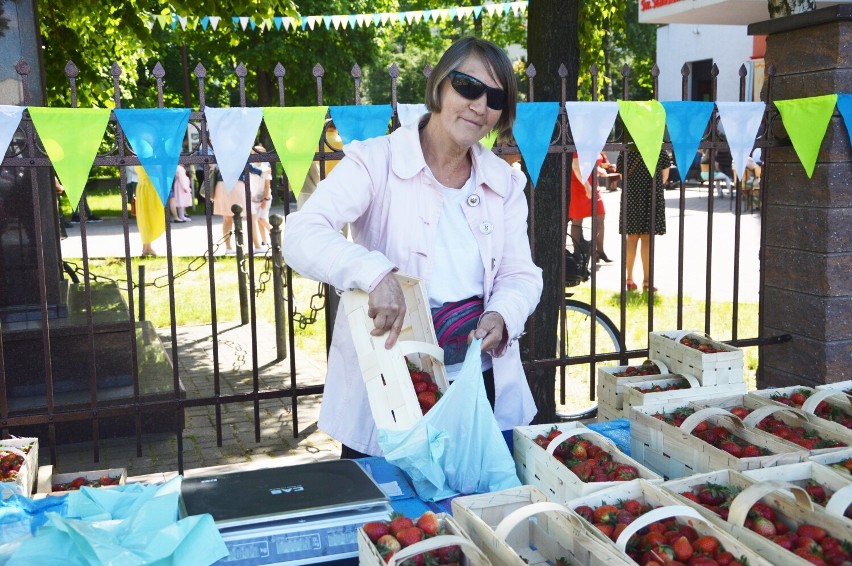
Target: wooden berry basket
point(393, 401)
point(538, 467)
point(635, 398)
point(844, 386)
point(830, 458)
point(799, 474)
point(368, 555)
point(28, 472)
point(666, 506)
point(610, 386)
point(674, 452)
point(837, 398)
point(549, 531)
point(721, 368)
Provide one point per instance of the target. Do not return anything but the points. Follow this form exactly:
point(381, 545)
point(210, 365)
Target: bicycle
point(579, 344)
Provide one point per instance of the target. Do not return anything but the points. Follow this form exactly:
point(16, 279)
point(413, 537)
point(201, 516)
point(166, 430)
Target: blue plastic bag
point(457, 447)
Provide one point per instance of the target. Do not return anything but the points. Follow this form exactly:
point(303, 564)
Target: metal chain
point(318, 301)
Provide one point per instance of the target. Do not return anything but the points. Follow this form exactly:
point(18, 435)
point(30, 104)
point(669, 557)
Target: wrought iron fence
point(91, 412)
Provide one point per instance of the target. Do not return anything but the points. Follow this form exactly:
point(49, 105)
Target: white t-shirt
point(457, 271)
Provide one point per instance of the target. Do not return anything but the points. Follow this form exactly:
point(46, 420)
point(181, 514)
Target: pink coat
point(382, 189)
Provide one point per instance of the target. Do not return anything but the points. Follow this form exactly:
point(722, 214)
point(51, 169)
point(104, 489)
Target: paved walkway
point(278, 445)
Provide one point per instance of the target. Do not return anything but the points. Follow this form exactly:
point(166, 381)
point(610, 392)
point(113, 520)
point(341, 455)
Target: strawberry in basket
point(656, 388)
point(804, 437)
point(713, 496)
point(724, 439)
point(670, 542)
point(588, 461)
point(10, 463)
point(401, 531)
point(611, 520)
point(424, 386)
point(824, 410)
point(700, 346)
point(646, 368)
point(676, 417)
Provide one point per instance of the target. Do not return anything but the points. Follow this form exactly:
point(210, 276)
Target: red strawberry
point(732, 448)
point(682, 549)
point(751, 451)
point(428, 523)
point(740, 411)
point(632, 506)
point(76, 483)
point(387, 546)
point(606, 514)
point(763, 527)
point(798, 398)
point(763, 510)
point(409, 536)
point(449, 554)
point(398, 523)
point(427, 399)
point(706, 545)
point(811, 531)
point(585, 512)
point(376, 530)
point(816, 491)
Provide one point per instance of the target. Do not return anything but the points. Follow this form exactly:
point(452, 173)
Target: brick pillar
point(807, 265)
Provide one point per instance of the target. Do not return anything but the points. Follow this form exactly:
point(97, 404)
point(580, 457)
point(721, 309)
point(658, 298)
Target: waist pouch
point(453, 323)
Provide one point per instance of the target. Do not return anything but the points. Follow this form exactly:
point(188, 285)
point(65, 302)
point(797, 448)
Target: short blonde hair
point(497, 62)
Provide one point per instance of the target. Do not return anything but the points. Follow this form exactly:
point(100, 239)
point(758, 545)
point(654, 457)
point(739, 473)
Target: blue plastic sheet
point(127, 525)
point(457, 447)
point(617, 430)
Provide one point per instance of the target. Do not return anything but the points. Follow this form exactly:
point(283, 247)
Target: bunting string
point(336, 21)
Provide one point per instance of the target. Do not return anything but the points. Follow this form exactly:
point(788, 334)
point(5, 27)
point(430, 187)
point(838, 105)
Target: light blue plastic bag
point(457, 446)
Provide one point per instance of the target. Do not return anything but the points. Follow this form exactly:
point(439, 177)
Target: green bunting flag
point(295, 132)
point(646, 122)
point(71, 137)
point(806, 121)
point(489, 139)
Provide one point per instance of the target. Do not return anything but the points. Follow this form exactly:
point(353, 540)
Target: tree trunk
point(552, 40)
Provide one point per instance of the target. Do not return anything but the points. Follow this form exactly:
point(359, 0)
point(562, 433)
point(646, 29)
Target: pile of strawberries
point(426, 389)
point(656, 388)
point(81, 481)
point(824, 410)
point(646, 368)
point(401, 531)
point(700, 346)
point(844, 466)
point(808, 541)
point(724, 439)
point(10, 463)
point(663, 542)
point(588, 461)
point(807, 438)
point(676, 417)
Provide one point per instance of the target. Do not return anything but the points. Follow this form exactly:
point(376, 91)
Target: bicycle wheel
point(573, 393)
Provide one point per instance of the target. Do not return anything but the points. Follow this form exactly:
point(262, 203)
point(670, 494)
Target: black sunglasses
point(472, 88)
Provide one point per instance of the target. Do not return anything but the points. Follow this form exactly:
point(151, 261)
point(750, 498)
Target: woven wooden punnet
point(719, 368)
point(46, 483)
point(666, 506)
point(836, 486)
point(834, 461)
point(393, 401)
point(674, 452)
point(837, 399)
point(695, 392)
point(473, 556)
point(538, 467)
point(519, 526)
point(26, 478)
point(844, 386)
point(610, 386)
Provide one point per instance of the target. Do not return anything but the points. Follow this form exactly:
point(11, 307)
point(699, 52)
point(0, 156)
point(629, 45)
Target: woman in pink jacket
point(434, 203)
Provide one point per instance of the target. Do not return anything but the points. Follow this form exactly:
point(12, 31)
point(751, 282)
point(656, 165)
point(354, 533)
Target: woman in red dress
point(580, 207)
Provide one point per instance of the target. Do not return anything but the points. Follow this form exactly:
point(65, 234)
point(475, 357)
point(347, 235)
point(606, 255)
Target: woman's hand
point(490, 330)
point(386, 306)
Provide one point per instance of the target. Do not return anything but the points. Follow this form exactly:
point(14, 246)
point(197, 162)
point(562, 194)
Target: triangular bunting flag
point(278, 21)
point(506, 7)
point(174, 21)
point(252, 24)
point(150, 22)
point(686, 121)
point(490, 139)
point(477, 11)
point(193, 22)
point(295, 133)
point(491, 8)
point(400, 17)
point(409, 114)
point(156, 136)
point(337, 21)
point(232, 134)
point(287, 22)
point(376, 19)
point(304, 21)
point(438, 14)
point(360, 122)
point(182, 20)
point(71, 137)
point(327, 21)
point(164, 20)
point(214, 22)
point(452, 12)
point(533, 130)
point(464, 12)
point(235, 20)
point(427, 15)
point(244, 22)
point(353, 21)
point(10, 118)
point(646, 122)
point(740, 121)
point(844, 104)
point(806, 121)
point(591, 124)
point(385, 17)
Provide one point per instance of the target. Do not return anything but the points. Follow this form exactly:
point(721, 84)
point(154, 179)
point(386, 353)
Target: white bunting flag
point(409, 114)
point(214, 22)
point(740, 120)
point(232, 134)
point(591, 123)
point(10, 118)
point(385, 16)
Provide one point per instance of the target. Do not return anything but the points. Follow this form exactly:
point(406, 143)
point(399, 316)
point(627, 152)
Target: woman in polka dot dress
point(638, 186)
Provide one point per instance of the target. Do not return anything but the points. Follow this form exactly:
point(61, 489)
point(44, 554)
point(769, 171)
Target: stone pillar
point(807, 266)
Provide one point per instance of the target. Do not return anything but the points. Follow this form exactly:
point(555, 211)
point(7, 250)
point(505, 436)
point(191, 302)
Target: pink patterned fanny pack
point(453, 323)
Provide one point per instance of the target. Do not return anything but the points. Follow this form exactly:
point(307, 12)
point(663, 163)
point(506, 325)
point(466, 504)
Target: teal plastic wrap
point(127, 525)
point(617, 430)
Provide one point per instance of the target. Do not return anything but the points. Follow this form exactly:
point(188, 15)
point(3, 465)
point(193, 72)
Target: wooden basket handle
point(749, 496)
point(811, 403)
point(664, 369)
point(407, 347)
point(557, 440)
point(839, 502)
point(698, 417)
point(513, 519)
point(691, 379)
point(658, 514)
point(753, 418)
point(470, 550)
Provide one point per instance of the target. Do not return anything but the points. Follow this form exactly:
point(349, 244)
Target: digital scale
point(302, 514)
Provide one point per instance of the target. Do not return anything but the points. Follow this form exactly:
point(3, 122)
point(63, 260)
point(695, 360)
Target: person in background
point(150, 213)
point(222, 203)
point(434, 203)
point(260, 182)
point(180, 197)
point(580, 207)
point(132, 179)
point(607, 172)
point(639, 187)
point(719, 176)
